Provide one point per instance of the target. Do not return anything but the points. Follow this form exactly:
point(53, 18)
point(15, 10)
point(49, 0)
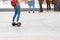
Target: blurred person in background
point(56, 3)
point(40, 5)
point(31, 5)
point(48, 4)
point(59, 5)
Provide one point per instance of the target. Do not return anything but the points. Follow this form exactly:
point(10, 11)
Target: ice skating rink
point(35, 26)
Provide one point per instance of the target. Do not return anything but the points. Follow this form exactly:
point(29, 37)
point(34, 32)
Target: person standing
point(55, 2)
point(48, 4)
point(31, 4)
point(59, 5)
point(40, 5)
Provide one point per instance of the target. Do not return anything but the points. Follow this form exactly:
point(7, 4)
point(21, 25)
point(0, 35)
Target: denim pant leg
point(33, 8)
point(18, 13)
point(29, 9)
point(15, 10)
point(41, 9)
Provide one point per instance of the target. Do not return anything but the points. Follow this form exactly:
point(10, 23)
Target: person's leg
point(18, 13)
point(58, 6)
point(33, 8)
point(41, 9)
point(49, 6)
point(29, 9)
point(15, 10)
point(55, 7)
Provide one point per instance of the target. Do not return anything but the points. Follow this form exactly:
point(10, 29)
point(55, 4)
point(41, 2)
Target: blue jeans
point(31, 9)
point(17, 13)
point(31, 4)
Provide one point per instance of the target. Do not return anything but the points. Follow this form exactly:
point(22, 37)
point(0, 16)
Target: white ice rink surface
point(35, 26)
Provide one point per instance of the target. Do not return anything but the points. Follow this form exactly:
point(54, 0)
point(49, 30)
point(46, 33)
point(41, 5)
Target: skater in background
point(31, 5)
point(48, 4)
point(40, 4)
point(55, 2)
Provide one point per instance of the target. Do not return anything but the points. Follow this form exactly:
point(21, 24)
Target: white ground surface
point(35, 26)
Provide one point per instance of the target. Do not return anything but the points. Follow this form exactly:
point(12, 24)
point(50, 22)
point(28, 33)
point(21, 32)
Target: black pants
point(59, 8)
point(48, 6)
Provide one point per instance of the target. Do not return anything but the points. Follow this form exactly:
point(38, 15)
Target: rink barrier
point(22, 9)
